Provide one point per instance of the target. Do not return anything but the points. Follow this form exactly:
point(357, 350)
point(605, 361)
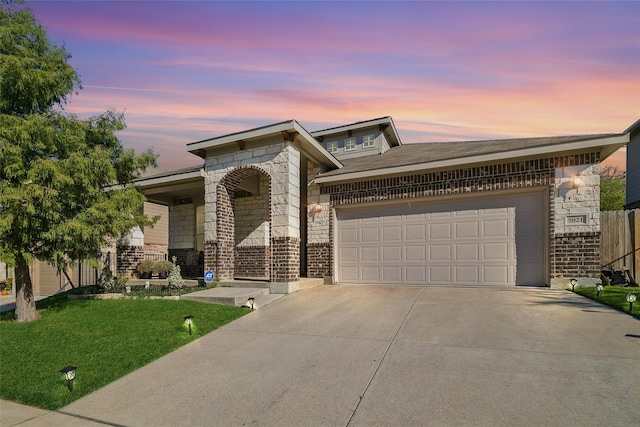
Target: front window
point(349, 144)
point(332, 147)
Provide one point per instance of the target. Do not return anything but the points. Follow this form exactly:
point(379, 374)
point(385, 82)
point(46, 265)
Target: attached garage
point(496, 240)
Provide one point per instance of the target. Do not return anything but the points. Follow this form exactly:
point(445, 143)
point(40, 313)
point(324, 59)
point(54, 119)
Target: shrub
point(145, 266)
point(162, 267)
point(175, 277)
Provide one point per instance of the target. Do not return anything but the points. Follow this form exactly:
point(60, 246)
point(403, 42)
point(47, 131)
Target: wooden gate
point(620, 241)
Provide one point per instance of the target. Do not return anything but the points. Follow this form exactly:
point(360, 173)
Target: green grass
point(105, 339)
point(613, 296)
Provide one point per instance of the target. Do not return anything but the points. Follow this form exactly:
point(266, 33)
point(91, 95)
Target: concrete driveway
point(394, 356)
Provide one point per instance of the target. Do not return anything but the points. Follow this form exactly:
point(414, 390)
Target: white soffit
point(606, 145)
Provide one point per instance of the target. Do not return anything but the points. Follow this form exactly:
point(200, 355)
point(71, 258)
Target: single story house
point(354, 205)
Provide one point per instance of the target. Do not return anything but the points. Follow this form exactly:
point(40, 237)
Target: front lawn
point(105, 339)
point(613, 296)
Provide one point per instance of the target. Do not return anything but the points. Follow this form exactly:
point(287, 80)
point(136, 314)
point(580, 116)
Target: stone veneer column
point(318, 223)
point(129, 252)
point(285, 215)
point(576, 234)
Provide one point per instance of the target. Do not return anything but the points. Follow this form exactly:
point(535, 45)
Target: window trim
point(332, 147)
point(369, 143)
point(347, 142)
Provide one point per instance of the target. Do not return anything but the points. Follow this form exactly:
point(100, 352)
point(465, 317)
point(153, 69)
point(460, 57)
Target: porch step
point(239, 283)
point(232, 296)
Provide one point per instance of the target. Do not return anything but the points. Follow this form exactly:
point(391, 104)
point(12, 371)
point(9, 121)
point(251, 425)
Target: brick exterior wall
point(127, 258)
point(576, 255)
point(286, 259)
point(318, 260)
point(253, 261)
point(563, 255)
point(210, 255)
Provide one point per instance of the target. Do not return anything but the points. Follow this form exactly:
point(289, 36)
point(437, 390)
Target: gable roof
point(383, 123)
point(433, 155)
point(290, 128)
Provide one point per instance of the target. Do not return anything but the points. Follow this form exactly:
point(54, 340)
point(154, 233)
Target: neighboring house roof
point(164, 187)
point(424, 156)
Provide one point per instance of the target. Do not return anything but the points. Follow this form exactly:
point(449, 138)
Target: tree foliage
point(64, 182)
point(612, 188)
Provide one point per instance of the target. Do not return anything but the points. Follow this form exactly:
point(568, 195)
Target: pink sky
point(445, 71)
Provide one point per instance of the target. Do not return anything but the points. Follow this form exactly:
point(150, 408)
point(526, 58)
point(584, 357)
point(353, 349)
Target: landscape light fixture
point(631, 298)
point(599, 289)
point(252, 302)
point(573, 282)
point(189, 321)
point(69, 373)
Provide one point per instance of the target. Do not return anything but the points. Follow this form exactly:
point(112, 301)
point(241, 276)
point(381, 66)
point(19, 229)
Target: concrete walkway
point(389, 356)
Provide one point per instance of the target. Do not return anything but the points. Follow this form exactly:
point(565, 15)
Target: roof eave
point(607, 146)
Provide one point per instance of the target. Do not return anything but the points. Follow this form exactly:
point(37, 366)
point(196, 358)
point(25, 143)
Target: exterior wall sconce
point(315, 209)
point(69, 373)
point(189, 321)
point(577, 181)
point(599, 289)
point(573, 282)
point(631, 298)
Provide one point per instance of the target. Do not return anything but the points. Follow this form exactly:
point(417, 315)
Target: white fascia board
point(169, 179)
point(246, 135)
point(315, 149)
point(609, 142)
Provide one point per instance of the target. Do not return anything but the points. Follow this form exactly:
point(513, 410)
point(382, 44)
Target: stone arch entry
point(243, 226)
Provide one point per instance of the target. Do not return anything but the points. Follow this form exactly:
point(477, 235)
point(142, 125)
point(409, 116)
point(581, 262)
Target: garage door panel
point(467, 252)
point(416, 274)
point(492, 239)
point(440, 231)
point(417, 232)
point(392, 254)
point(348, 254)
point(466, 230)
point(496, 251)
point(415, 253)
point(467, 274)
point(369, 235)
point(440, 252)
point(495, 274)
point(440, 274)
point(392, 274)
point(370, 254)
point(392, 233)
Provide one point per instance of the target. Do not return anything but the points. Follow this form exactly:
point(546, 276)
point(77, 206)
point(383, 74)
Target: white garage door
point(489, 240)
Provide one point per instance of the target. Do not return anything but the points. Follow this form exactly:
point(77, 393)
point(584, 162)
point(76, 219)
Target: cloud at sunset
point(185, 71)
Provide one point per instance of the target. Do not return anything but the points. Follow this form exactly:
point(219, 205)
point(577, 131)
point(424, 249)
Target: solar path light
point(631, 298)
point(599, 289)
point(69, 373)
point(573, 282)
point(189, 321)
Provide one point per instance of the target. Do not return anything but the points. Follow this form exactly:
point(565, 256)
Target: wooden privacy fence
point(620, 241)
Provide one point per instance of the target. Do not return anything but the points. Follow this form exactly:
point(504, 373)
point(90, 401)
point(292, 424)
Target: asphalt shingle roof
point(418, 153)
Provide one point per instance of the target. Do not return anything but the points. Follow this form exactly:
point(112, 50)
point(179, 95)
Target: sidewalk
point(8, 302)
point(14, 414)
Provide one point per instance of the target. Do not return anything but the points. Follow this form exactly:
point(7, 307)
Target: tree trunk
point(25, 301)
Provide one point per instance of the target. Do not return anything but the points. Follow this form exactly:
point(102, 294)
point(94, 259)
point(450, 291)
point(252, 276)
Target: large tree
point(612, 188)
point(63, 181)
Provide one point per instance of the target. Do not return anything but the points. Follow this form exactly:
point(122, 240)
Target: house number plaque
point(576, 220)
